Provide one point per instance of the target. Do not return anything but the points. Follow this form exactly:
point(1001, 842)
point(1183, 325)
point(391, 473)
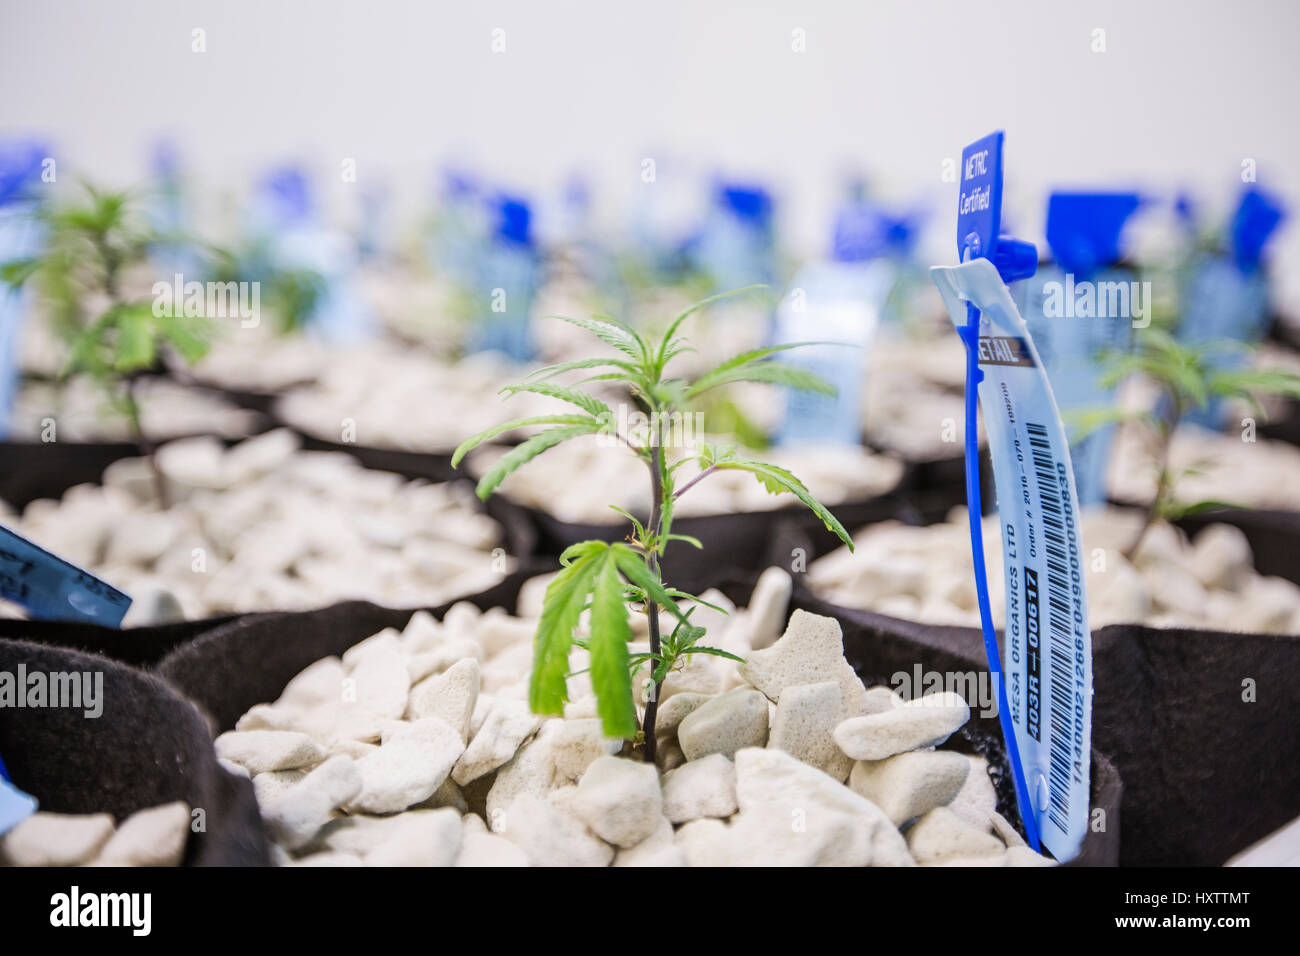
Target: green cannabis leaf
point(607, 580)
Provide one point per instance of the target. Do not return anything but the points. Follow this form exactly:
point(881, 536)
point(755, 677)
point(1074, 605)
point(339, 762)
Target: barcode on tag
point(1050, 474)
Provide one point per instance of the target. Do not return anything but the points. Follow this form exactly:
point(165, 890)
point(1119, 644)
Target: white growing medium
point(924, 574)
point(743, 752)
point(266, 525)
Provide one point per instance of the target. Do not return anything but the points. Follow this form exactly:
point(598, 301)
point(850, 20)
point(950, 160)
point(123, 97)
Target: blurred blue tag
point(15, 806)
point(51, 589)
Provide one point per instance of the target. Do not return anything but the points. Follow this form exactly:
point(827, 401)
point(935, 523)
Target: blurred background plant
point(113, 331)
point(1183, 378)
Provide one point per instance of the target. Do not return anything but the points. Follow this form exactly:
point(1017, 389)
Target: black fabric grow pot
point(250, 660)
point(880, 647)
point(1284, 427)
point(947, 473)
point(31, 470)
point(1205, 774)
point(254, 400)
point(431, 466)
point(148, 747)
point(137, 646)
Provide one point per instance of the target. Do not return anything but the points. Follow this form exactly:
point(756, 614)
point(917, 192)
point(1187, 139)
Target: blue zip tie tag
point(54, 590)
point(1045, 699)
point(1045, 695)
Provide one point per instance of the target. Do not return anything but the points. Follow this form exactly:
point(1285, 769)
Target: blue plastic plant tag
point(15, 806)
point(837, 305)
point(1046, 689)
point(52, 589)
point(20, 238)
point(1045, 695)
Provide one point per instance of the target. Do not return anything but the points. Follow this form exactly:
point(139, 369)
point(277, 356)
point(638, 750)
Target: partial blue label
point(20, 236)
point(1222, 303)
point(15, 806)
point(53, 589)
point(1070, 347)
point(830, 303)
point(979, 202)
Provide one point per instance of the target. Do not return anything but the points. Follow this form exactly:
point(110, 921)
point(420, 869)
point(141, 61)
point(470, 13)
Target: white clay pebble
point(701, 788)
point(724, 725)
point(56, 839)
point(450, 695)
point(619, 800)
point(769, 607)
point(297, 814)
point(941, 833)
point(262, 751)
point(805, 719)
point(152, 837)
point(908, 785)
point(977, 801)
point(420, 838)
point(578, 744)
point(811, 651)
point(550, 837)
point(488, 849)
point(508, 724)
point(923, 722)
point(411, 764)
point(657, 850)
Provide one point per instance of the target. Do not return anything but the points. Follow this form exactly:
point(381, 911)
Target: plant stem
point(1165, 430)
point(652, 609)
point(694, 481)
point(146, 446)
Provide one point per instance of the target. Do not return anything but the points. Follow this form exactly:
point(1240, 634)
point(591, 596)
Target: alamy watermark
point(212, 300)
point(1098, 300)
point(75, 690)
point(977, 688)
point(133, 911)
point(668, 429)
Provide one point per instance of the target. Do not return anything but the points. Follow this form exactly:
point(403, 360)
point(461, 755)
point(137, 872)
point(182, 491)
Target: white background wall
point(1185, 90)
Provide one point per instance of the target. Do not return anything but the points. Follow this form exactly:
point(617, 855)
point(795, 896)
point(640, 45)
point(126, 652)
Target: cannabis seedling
point(291, 295)
point(111, 335)
point(1186, 378)
point(605, 577)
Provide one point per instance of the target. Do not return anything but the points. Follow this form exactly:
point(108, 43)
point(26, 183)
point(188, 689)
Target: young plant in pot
point(1186, 378)
point(609, 578)
point(112, 334)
